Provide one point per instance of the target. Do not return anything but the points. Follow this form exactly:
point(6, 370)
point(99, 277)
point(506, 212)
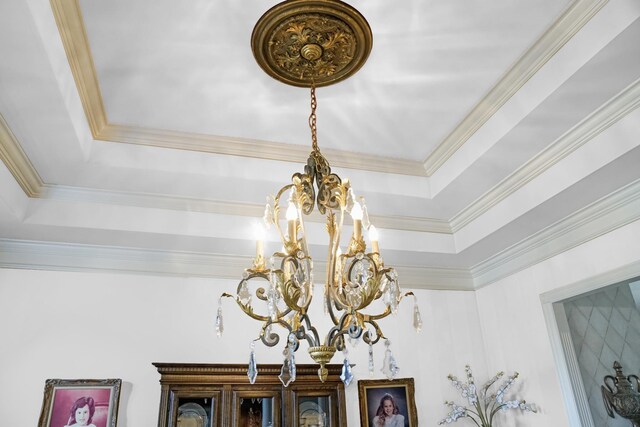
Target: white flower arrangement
point(482, 408)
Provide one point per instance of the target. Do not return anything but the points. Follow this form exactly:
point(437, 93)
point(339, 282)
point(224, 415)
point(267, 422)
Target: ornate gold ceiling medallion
point(300, 42)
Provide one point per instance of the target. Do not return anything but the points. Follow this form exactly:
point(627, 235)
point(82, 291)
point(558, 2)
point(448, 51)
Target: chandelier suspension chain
point(312, 119)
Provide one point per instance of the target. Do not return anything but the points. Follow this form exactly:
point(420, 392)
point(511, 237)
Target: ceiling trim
point(254, 148)
point(605, 116)
point(75, 257)
point(68, 18)
point(562, 30)
point(17, 162)
point(601, 217)
point(154, 201)
point(70, 24)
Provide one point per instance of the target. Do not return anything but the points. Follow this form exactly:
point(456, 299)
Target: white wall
point(100, 325)
point(513, 324)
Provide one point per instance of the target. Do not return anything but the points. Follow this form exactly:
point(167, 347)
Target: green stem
point(480, 413)
point(474, 421)
point(494, 412)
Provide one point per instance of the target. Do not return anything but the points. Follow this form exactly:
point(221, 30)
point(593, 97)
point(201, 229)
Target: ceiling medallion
point(305, 42)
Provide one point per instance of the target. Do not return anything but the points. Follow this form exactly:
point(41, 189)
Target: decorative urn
point(621, 394)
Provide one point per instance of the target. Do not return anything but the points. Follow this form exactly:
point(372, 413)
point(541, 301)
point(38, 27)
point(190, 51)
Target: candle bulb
point(356, 214)
point(259, 230)
point(373, 236)
point(292, 216)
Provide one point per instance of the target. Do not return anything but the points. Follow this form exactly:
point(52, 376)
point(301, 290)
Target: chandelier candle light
point(312, 43)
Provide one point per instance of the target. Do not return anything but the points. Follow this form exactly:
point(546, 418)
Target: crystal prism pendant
point(288, 370)
point(219, 320)
point(346, 376)
point(244, 295)
point(389, 366)
point(252, 370)
point(417, 319)
point(371, 364)
point(272, 303)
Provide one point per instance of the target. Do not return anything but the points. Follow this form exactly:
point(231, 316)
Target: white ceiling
point(485, 136)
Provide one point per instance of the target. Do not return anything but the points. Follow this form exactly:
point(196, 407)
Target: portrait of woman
point(388, 413)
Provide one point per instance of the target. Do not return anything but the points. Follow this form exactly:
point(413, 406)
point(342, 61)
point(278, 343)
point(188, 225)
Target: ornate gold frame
point(364, 386)
point(52, 385)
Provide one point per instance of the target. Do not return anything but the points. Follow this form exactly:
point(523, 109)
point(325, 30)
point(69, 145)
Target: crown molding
point(605, 116)
point(75, 257)
point(562, 30)
point(68, 18)
point(245, 147)
point(17, 162)
point(187, 204)
point(601, 217)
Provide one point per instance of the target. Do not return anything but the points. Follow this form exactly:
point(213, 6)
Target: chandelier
point(312, 43)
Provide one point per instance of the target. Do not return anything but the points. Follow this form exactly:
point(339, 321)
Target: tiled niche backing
point(605, 327)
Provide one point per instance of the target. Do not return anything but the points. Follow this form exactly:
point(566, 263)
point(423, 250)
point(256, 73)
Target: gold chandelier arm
point(367, 335)
point(247, 309)
point(371, 317)
point(341, 328)
point(276, 210)
point(334, 319)
point(334, 258)
point(290, 295)
point(386, 312)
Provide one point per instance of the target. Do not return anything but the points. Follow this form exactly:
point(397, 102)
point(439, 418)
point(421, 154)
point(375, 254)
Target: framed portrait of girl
point(80, 403)
point(385, 403)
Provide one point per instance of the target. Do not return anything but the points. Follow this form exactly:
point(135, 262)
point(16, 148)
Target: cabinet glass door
point(313, 411)
point(194, 411)
point(256, 408)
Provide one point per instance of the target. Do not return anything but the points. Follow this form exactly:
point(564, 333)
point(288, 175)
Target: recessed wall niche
point(604, 327)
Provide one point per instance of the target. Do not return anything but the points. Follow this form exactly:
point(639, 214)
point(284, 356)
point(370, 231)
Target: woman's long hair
point(382, 416)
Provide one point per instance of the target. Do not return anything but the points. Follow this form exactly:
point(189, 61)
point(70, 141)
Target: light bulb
point(373, 233)
point(373, 236)
point(292, 212)
point(356, 212)
point(259, 231)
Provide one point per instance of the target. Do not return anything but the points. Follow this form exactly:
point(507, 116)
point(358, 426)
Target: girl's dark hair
point(81, 403)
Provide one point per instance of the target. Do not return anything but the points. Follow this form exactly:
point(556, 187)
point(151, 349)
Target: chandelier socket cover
point(311, 42)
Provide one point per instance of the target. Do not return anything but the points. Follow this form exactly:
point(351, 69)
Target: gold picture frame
point(380, 399)
point(66, 400)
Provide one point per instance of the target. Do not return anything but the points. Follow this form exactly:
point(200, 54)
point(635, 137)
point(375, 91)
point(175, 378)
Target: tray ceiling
point(142, 136)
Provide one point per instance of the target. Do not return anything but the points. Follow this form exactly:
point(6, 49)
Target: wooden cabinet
point(201, 395)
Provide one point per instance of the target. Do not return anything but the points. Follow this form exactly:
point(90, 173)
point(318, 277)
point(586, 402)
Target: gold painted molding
point(565, 27)
point(74, 38)
point(17, 162)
